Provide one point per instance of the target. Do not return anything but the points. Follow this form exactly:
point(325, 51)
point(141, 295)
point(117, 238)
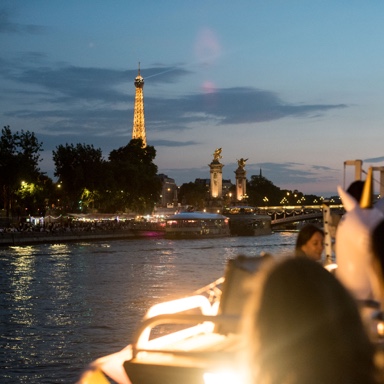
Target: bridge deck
point(294, 218)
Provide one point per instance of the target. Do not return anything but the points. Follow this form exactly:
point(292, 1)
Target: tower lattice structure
point(138, 130)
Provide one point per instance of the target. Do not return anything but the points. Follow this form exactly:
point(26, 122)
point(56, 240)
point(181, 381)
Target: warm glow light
point(224, 377)
point(181, 305)
point(175, 337)
point(330, 267)
point(380, 328)
point(176, 306)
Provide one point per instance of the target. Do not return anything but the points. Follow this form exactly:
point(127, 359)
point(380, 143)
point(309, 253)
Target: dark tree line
point(194, 194)
point(126, 181)
point(19, 165)
point(260, 192)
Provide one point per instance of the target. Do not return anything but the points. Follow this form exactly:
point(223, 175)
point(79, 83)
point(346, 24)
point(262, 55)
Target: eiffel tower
point(138, 130)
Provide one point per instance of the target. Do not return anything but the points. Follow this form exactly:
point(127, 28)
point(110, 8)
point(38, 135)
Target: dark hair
point(356, 188)
point(308, 329)
point(378, 244)
point(304, 235)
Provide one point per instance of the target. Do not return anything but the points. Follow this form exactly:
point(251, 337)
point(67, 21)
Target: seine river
point(64, 305)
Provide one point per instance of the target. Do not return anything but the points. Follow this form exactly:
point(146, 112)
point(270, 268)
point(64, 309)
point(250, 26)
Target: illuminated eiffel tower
point(138, 130)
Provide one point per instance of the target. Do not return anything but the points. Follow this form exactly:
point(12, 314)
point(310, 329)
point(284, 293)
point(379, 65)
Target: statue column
point(216, 187)
point(241, 180)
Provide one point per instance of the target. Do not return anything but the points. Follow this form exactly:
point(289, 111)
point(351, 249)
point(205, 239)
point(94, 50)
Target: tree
point(19, 159)
point(262, 191)
point(194, 194)
point(79, 168)
point(135, 183)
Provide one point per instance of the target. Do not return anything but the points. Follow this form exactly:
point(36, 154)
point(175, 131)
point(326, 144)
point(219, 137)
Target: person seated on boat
point(376, 318)
point(353, 245)
point(378, 245)
point(303, 326)
point(310, 242)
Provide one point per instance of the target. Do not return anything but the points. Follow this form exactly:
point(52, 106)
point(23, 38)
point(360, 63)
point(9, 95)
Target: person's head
point(378, 244)
point(353, 241)
point(310, 242)
point(355, 189)
point(304, 327)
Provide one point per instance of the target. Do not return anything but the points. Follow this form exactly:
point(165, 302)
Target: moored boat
point(196, 225)
point(245, 221)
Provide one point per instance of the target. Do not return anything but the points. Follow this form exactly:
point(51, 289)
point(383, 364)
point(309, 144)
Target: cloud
point(237, 105)
point(68, 83)
point(163, 74)
point(9, 26)
point(170, 143)
point(292, 173)
point(94, 100)
point(284, 175)
point(375, 159)
point(78, 122)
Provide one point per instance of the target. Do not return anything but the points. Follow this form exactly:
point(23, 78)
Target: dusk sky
point(295, 87)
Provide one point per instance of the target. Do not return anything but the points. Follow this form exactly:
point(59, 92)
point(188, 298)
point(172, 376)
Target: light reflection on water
point(64, 305)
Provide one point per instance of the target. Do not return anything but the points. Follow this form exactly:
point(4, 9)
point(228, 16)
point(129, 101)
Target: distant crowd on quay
point(73, 230)
point(69, 226)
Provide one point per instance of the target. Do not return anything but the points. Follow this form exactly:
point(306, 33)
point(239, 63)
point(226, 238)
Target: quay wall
point(77, 235)
point(30, 238)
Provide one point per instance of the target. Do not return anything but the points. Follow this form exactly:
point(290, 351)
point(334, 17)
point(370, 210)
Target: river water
point(64, 305)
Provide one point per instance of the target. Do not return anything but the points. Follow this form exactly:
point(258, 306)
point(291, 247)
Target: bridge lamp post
point(229, 195)
point(284, 201)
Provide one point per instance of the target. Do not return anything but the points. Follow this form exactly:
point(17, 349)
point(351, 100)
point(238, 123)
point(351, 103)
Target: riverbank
point(31, 238)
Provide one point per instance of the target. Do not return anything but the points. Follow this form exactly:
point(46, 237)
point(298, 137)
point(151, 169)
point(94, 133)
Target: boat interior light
point(380, 328)
point(180, 305)
point(175, 337)
point(177, 306)
point(223, 377)
point(331, 267)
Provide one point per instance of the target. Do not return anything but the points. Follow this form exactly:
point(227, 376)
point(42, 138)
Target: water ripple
point(64, 305)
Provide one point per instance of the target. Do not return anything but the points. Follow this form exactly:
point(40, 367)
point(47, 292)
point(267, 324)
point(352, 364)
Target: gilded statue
point(241, 162)
point(217, 154)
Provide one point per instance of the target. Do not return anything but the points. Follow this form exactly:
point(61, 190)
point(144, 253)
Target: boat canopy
point(197, 215)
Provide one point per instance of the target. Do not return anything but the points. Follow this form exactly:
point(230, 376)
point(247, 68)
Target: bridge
point(295, 218)
point(289, 214)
